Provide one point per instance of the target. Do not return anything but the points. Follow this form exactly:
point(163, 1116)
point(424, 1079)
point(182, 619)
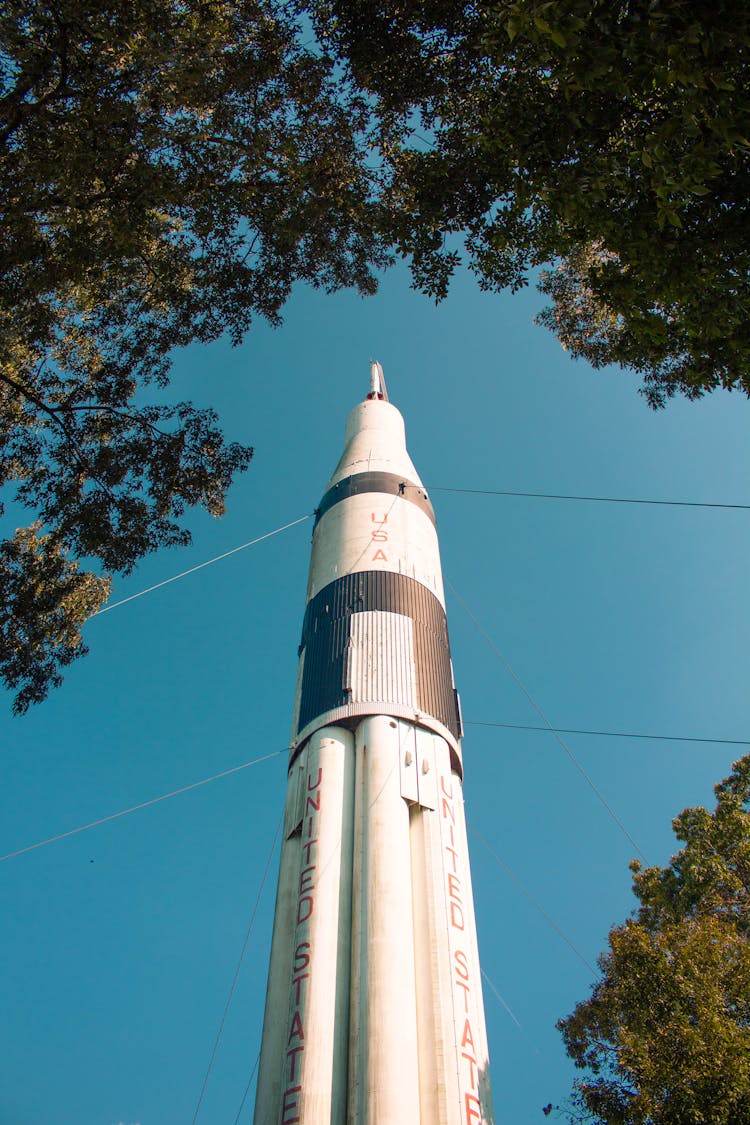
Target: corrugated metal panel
point(381, 658)
point(323, 675)
point(389, 484)
point(327, 631)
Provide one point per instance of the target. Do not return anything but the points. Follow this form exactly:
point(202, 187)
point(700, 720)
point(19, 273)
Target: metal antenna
point(377, 382)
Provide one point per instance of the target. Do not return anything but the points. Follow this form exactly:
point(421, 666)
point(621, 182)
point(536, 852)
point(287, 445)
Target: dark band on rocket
point(327, 631)
point(389, 484)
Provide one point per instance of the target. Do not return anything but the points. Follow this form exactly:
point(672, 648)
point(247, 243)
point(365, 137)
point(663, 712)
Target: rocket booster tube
point(375, 635)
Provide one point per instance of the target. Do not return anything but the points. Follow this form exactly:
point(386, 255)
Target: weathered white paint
point(317, 1041)
point(474, 1000)
point(268, 1096)
point(374, 1012)
point(374, 441)
point(386, 1057)
point(351, 713)
point(343, 541)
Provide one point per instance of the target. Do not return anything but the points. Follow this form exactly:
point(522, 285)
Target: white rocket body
point(374, 1012)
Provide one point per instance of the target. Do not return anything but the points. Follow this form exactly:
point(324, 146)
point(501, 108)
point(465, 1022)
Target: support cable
point(142, 805)
point(247, 1089)
point(501, 863)
point(236, 976)
point(590, 499)
point(612, 733)
point(509, 1010)
point(434, 488)
point(266, 757)
point(200, 566)
point(558, 738)
point(504, 1003)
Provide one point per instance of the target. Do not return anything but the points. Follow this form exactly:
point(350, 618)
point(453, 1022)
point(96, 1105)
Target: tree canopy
point(171, 168)
point(665, 1035)
point(608, 141)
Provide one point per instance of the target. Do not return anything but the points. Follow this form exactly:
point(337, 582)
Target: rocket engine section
point(374, 1012)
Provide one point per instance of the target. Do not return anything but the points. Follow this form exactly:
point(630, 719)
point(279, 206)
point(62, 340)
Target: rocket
point(374, 1012)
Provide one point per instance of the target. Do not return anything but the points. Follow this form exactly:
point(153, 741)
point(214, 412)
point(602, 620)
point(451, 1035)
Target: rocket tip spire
point(377, 382)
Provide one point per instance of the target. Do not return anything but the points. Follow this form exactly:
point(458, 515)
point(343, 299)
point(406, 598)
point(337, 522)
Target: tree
point(665, 1035)
point(606, 140)
point(171, 168)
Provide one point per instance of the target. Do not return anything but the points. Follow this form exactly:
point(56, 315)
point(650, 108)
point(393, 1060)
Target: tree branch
point(117, 413)
point(53, 413)
point(17, 95)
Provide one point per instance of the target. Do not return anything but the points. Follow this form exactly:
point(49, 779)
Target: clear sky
point(119, 945)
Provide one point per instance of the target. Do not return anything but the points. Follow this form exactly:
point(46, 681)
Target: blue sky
point(119, 944)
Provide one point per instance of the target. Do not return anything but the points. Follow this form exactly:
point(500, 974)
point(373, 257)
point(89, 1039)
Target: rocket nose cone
point(381, 418)
point(375, 439)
